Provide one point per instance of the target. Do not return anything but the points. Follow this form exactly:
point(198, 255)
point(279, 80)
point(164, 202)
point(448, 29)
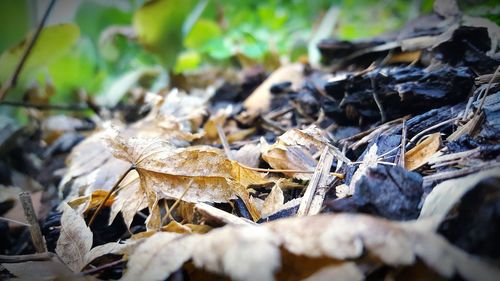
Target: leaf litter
point(382, 165)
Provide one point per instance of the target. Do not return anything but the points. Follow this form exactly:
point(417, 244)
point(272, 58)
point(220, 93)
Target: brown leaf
point(129, 200)
point(297, 150)
point(422, 152)
point(166, 172)
point(75, 240)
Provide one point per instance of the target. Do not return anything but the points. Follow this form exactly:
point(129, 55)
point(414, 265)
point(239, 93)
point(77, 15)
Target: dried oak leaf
point(166, 171)
point(75, 240)
point(303, 247)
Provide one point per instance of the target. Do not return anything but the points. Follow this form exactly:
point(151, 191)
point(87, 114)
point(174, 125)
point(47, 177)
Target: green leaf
point(159, 24)
point(52, 43)
point(189, 60)
point(203, 31)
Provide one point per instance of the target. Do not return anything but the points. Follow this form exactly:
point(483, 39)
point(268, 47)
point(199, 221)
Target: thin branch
point(487, 91)
point(68, 107)
point(13, 79)
point(14, 221)
point(102, 267)
point(225, 143)
point(341, 176)
point(31, 257)
point(94, 215)
point(29, 213)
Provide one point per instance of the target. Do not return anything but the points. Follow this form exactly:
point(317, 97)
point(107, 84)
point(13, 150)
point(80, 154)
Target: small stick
point(102, 267)
point(224, 142)
point(22, 258)
point(14, 221)
point(318, 180)
point(29, 212)
point(68, 107)
point(401, 160)
point(94, 215)
point(13, 79)
point(177, 202)
point(487, 91)
point(263, 170)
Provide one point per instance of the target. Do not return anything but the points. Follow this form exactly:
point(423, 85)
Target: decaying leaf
point(92, 201)
point(422, 152)
point(274, 201)
point(75, 240)
point(298, 150)
point(166, 172)
point(258, 252)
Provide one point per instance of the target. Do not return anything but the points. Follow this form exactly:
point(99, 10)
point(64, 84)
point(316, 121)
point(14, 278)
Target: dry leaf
point(422, 152)
point(92, 201)
point(166, 172)
point(113, 248)
point(274, 201)
point(129, 200)
point(153, 260)
point(258, 252)
point(260, 99)
point(75, 240)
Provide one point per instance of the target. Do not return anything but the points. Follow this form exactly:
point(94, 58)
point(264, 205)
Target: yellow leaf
point(422, 152)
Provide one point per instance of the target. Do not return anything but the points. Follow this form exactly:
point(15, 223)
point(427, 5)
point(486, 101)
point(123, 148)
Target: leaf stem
point(94, 215)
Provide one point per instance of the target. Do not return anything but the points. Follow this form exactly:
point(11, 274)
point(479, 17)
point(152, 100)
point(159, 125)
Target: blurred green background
point(110, 45)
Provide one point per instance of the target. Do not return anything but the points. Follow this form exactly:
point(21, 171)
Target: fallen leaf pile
point(383, 166)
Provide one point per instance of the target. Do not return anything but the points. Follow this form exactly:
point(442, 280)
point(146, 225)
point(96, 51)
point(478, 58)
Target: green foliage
point(13, 13)
point(158, 25)
point(57, 37)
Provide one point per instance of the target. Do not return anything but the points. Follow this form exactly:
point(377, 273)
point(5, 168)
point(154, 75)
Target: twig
point(487, 90)
point(225, 143)
point(99, 268)
point(169, 210)
point(263, 170)
point(377, 101)
point(13, 79)
point(69, 107)
point(412, 140)
point(31, 257)
point(459, 173)
point(29, 213)
point(94, 215)
point(318, 180)
point(14, 221)
point(401, 160)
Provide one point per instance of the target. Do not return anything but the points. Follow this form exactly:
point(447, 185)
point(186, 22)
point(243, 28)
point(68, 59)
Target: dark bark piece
point(474, 225)
point(386, 191)
point(491, 125)
point(401, 91)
